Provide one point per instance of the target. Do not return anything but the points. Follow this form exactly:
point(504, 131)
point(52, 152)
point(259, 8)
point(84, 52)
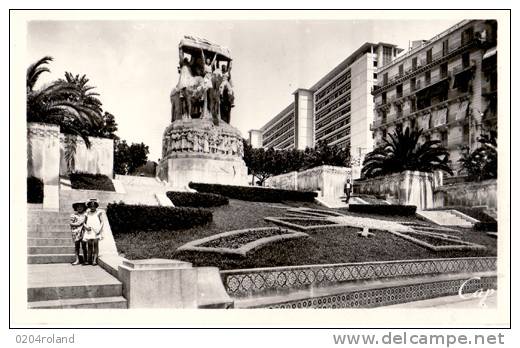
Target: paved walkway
point(64, 274)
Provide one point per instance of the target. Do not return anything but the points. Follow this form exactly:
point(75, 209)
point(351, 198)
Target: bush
point(88, 181)
point(34, 190)
point(380, 209)
point(127, 218)
point(255, 194)
point(195, 199)
point(486, 226)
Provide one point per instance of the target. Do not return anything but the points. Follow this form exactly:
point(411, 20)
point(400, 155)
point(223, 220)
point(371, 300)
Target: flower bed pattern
point(301, 223)
point(240, 242)
point(438, 243)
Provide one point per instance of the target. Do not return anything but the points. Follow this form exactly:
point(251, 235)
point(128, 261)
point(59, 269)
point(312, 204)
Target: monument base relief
point(200, 145)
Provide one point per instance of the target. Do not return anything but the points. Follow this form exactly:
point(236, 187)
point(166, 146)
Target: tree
point(67, 103)
point(480, 164)
point(263, 163)
point(402, 151)
point(108, 127)
point(128, 158)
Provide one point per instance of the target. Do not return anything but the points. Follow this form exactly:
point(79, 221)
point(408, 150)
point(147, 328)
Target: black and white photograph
point(210, 162)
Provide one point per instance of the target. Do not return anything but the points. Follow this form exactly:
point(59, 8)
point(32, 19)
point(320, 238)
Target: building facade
point(446, 86)
point(338, 109)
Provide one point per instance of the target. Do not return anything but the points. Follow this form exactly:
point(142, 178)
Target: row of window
point(466, 36)
point(279, 140)
point(332, 128)
point(331, 97)
point(415, 83)
point(333, 85)
point(280, 132)
point(333, 106)
point(342, 134)
point(288, 119)
point(325, 121)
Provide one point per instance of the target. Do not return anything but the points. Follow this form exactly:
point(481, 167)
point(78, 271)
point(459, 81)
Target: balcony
point(437, 58)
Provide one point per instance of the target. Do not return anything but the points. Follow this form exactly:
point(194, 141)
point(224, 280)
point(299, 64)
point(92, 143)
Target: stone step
point(35, 220)
point(48, 228)
point(54, 234)
point(64, 281)
point(43, 293)
point(50, 258)
point(49, 241)
point(444, 218)
point(97, 302)
point(50, 249)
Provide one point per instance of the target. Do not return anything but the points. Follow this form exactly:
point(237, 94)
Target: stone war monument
point(200, 145)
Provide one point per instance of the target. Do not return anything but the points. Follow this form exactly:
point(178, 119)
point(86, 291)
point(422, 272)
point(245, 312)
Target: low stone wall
point(43, 160)
point(272, 280)
point(287, 181)
point(329, 180)
point(468, 194)
point(408, 187)
point(99, 159)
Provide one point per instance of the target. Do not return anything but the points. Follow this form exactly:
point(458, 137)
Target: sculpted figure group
point(203, 142)
point(204, 89)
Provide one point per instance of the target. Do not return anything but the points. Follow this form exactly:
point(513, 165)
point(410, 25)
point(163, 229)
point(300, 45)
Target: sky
point(133, 64)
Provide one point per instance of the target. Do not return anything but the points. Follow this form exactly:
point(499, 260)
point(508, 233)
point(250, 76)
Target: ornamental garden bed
point(240, 242)
point(438, 243)
point(325, 245)
point(301, 224)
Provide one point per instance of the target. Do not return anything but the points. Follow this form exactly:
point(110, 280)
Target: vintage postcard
point(292, 168)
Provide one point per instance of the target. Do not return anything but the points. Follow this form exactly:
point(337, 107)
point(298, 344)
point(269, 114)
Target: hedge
point(195, 199)
point(380, 209)
point(256, 194)
point(34, 190)
point(88, 181)
point(127, 218)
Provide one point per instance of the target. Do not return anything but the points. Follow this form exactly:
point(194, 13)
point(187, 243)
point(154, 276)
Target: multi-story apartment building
point(446, 86)
point(338, 109)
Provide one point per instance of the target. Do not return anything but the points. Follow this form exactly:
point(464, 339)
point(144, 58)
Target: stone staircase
point(53, 286)
point(48, 237)
point(447, 218)
point(52, 281)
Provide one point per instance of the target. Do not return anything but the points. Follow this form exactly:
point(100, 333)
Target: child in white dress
point(93, 230)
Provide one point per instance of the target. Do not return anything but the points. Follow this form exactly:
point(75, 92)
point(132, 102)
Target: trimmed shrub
point(255, 194)
point(195, 199)
point(486, 226)
point(380, 209)
point(88, 181)
point(127, 218)
point(34, 190)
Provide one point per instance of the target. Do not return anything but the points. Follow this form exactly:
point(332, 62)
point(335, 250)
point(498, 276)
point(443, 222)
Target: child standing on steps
point(77, 225)
point(93, 230)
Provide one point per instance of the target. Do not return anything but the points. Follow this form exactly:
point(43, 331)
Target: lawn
point(327, 245)
point(162, 244)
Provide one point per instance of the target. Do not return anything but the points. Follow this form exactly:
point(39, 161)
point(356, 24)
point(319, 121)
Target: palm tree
point(402, 151)
point(68, 103)
point(481, 163)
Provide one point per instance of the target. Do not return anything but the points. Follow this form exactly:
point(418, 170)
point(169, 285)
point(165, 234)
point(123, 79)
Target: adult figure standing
point(347, 189)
